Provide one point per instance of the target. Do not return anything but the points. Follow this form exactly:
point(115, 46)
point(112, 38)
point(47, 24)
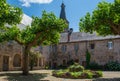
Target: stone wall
point(100, 54)
point(10, 50)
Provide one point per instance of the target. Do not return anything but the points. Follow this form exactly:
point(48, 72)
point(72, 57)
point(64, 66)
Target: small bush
point(95, 66)
point(61, 67)
point(112, 66)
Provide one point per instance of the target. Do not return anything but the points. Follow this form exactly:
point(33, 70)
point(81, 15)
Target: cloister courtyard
point(46, 75)
point(46, 47)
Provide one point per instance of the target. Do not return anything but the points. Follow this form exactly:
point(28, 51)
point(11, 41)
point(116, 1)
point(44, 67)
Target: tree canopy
point(9, 14)
point(43, 31)
point(105, 19)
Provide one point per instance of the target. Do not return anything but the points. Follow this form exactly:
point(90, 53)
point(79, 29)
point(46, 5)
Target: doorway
point(5, 63)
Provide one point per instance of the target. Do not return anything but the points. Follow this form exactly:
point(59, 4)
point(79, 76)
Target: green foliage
point(44, 30)
point(112, 66)
point(75, 74)
point(98, 74)
point(105, 19)
point(88, 56)
point(75, 68)
point(9, 14)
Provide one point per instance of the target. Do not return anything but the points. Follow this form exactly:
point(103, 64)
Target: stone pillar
point(11, 58)
point(37, 62)
point(42, 62)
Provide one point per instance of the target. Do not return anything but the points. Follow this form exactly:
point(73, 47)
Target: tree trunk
point(25, 60)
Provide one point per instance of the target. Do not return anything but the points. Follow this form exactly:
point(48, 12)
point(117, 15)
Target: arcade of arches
point(8, 62)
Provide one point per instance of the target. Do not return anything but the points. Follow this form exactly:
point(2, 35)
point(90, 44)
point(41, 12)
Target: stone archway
point(17, 61)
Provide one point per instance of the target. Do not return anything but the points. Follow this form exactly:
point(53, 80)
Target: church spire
point(63, 15)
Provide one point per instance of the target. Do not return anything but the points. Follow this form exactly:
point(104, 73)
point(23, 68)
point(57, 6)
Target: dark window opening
point(92, 46)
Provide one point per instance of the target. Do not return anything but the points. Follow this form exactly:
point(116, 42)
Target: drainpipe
point(86, 46)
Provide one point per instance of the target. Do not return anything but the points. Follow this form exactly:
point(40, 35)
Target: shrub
point(71, 62)
point(61, 67)
point(76, 68)
point(112, 66)
point(95, 66)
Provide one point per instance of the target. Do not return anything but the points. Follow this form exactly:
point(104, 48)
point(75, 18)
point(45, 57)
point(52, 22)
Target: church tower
point(63, 16)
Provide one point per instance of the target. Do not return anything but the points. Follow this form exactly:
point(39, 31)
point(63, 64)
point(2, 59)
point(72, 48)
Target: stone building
point(72, 46)
point(102, 49)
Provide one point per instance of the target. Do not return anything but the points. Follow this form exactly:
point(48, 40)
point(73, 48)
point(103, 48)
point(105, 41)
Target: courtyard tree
point(43, 31)
point(105, 19)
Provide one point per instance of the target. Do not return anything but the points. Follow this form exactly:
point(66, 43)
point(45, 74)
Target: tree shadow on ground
point(20, 77)
point(107, 79)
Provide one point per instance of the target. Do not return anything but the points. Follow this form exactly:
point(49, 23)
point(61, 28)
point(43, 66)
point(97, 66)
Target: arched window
point(17, 61)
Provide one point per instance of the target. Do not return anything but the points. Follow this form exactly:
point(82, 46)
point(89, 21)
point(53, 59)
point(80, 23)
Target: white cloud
point(27, 3)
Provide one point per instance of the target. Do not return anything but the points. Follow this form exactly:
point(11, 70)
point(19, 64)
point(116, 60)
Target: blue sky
point(75, 9)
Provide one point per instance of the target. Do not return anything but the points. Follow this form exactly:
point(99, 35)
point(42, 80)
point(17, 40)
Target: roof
point(81, 36)
point(26, 21)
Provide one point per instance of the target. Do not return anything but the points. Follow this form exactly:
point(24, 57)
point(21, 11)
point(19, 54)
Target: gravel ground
point(45, 75)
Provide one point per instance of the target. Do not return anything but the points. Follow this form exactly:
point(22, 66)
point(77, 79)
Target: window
point(110, 45)
point(54, 48)
point(50, 48)
point(92, 46)
point(76, 48)
point(64, 48)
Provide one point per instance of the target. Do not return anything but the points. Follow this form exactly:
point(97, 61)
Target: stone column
point(37, 63)
point(11, 60)
point(42, 62)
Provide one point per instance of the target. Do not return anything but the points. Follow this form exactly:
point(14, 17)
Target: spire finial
point(63, 15)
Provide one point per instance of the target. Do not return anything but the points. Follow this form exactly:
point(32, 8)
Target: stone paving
point(45, 75)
